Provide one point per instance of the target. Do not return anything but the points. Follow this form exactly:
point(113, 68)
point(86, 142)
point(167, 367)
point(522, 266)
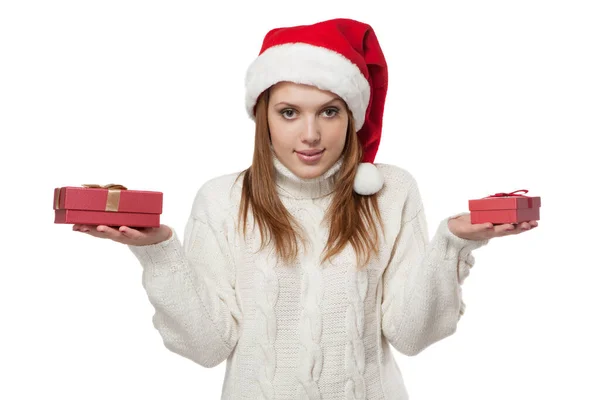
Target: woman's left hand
point(462, 227)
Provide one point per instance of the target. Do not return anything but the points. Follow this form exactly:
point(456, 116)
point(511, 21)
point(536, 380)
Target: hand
point(126, 235)
point(462, 227)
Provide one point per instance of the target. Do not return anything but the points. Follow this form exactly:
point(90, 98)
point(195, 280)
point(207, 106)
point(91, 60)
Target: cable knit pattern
point(311, 319)
point(466, 261)
point(267, 292)
point(464, 269)
point(306, 331)
point(358, 281)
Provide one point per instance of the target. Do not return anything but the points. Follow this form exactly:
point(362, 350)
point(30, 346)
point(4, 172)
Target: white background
point(484, 97)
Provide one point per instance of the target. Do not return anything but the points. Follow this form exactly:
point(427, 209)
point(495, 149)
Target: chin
point(311, 174)
point(311, 171)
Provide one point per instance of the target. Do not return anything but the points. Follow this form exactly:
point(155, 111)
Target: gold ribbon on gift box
point(114, 194)
point(112, 201)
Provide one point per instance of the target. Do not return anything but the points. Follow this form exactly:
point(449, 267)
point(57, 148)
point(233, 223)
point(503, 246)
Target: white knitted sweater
point(306, 331)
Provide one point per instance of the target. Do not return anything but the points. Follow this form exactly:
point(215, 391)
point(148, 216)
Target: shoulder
point(400, 191)
point(396, 179)
point(219, 195)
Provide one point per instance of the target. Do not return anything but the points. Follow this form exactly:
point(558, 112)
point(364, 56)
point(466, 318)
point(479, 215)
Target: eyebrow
point(294, 105)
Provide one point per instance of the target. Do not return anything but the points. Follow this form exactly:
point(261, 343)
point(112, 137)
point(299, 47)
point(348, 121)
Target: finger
point(108, 232)
point(517, 230)
point(482, 227)
point(525, 226)
point(92, 231)
point(130, 232)
point(84, 228)
point(81, 227)
point(504, 229)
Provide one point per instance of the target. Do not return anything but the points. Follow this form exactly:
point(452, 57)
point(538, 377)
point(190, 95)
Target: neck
point(290, 185)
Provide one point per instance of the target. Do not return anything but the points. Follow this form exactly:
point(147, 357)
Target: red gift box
point(505, 208)
point(112, 205)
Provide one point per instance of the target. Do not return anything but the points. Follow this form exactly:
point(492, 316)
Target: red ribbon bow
point(510, 194)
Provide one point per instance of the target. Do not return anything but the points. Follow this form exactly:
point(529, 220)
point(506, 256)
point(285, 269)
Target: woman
point(340, 267)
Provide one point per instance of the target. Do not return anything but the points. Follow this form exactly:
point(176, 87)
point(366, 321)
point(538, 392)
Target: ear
point(368, 179)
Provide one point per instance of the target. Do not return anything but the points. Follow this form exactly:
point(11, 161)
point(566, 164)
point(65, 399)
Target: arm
point(422, 295)
point(192, 286)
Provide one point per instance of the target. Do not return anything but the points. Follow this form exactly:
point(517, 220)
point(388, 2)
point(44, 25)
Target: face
point(305, 119)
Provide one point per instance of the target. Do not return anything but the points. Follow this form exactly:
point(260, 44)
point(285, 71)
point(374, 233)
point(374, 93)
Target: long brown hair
point(350, 215)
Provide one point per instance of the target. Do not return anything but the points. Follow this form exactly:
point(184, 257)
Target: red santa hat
point(342, 56)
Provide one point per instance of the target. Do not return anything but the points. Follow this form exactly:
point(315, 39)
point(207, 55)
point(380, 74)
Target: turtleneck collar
point(290, 185)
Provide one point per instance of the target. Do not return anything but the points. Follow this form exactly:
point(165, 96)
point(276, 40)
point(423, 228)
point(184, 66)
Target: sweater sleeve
point(192, 287)
point(422, 295)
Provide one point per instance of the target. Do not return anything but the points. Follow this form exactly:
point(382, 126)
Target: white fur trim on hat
point(311, 65)
point(368, 179)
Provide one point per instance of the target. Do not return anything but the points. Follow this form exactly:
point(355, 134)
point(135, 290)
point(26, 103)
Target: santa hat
point(342, 56)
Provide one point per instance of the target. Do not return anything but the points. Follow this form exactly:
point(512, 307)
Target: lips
point(310, 152)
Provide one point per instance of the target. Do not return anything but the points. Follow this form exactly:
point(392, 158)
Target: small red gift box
point(505, 208)
point(111, 205)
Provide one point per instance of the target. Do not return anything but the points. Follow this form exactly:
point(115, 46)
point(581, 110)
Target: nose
point(311, 132)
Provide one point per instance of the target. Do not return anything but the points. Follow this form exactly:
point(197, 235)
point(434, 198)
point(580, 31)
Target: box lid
point(108, 199)
point(505, 201)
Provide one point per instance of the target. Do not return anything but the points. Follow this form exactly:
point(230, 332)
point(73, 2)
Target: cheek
point(337, 133)
point(281, 132)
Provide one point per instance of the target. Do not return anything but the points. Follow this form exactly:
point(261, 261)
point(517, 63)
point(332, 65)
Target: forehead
point(300, 94)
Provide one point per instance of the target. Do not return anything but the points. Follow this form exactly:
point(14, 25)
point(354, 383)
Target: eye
point(331, 112)
point(287, 113)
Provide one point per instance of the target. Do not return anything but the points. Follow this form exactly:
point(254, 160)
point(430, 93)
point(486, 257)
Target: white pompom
point(368, 179)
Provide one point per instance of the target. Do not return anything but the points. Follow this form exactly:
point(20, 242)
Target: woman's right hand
point(126, 235)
